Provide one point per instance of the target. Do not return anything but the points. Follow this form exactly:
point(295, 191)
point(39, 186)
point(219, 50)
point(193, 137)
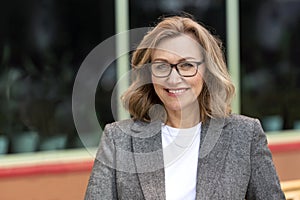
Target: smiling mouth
point(176, 91)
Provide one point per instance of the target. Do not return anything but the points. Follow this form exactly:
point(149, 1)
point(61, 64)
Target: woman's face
point(177, 92)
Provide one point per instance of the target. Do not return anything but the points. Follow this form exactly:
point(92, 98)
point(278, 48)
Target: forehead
point(182, 46)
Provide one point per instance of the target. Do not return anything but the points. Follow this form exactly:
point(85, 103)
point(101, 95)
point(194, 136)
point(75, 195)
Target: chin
point(174, 107)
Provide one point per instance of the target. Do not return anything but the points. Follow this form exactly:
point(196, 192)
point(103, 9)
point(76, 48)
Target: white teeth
point(177, 91)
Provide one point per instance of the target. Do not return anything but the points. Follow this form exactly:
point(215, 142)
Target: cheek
point(197, 84)
point(158, 89)
point(157, 83)
point(156, 80)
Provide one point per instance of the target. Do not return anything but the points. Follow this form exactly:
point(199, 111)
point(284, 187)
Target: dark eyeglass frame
point(198, 63)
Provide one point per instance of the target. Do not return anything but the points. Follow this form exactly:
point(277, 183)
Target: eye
point(160, 66)
point(186, 65)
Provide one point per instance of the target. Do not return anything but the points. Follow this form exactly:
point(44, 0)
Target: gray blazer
point(234, 162)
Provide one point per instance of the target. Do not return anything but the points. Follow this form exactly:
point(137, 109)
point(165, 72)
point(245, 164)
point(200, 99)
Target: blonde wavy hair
point(217, 92)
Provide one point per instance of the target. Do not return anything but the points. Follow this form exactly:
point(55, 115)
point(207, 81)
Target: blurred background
point(44, 42)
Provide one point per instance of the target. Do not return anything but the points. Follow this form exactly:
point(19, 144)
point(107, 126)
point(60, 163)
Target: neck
point(183, 118)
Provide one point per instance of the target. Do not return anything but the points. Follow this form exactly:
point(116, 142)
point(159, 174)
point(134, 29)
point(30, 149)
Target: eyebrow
point(166, 60)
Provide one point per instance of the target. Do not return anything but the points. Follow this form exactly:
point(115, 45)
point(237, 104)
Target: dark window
point(210, 13)
point(270, 73)
point(43, 44)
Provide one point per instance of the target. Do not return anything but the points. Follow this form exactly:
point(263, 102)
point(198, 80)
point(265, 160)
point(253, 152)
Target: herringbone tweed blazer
point(234, 162)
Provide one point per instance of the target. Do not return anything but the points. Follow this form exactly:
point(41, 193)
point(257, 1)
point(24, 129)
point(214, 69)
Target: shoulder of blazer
point(236, 127)
point(241, 122)
point(232, 120)
point(243, 128)
point(132, 128)
point(240, 118)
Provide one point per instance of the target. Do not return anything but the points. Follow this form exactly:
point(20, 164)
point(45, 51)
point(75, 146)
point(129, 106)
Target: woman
point(182, 141)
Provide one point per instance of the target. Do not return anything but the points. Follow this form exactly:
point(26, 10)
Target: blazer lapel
point(148, 155)
point(212, 155)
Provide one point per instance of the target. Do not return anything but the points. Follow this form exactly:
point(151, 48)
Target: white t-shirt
point(180, 149)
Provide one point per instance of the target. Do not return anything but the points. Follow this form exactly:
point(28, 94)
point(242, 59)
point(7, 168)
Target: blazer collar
point(210, 133)
point(214, 145)
point(148, 155)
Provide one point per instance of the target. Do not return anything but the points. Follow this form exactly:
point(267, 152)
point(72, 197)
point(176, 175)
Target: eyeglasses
point(185, 68)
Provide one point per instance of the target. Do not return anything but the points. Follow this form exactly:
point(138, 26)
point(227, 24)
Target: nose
point(174, 77)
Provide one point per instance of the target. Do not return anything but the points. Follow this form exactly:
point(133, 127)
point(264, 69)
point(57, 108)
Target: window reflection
point(270, 62)
point(210, 12)
point(43, 44)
